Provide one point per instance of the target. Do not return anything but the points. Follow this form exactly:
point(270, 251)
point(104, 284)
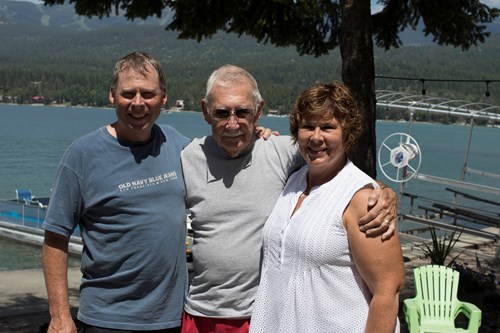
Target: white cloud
point(38, 2)
point(491, 3)
point(375, 8)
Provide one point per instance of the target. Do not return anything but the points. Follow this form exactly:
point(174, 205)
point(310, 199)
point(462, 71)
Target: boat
point(21, 219)
point(177, 107)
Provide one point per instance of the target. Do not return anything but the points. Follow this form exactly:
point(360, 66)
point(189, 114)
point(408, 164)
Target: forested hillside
point(75, 66)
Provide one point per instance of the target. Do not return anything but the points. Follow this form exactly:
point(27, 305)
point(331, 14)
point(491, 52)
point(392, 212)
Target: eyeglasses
point(224, 114)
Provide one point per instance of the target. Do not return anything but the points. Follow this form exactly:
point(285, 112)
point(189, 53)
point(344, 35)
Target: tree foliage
point(313, 26)
point(316, 27)
point(458, 23)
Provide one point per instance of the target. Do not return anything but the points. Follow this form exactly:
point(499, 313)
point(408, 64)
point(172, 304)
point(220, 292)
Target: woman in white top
point(319, 272)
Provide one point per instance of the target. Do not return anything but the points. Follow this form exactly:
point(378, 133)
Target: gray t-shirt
point(230, 200)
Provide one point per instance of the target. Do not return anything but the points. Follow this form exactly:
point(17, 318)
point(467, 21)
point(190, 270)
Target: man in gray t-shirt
point(232, 183)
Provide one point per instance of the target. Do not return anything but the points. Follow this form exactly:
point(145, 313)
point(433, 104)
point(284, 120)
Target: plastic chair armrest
point(412, 315)
point(472, 312)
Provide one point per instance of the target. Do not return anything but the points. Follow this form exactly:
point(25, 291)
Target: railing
point(22, 214)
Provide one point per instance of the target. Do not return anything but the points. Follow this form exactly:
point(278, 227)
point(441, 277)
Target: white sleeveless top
point(309, 282)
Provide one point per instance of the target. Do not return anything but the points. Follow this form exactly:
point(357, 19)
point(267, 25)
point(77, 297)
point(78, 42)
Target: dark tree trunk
point(358, 72)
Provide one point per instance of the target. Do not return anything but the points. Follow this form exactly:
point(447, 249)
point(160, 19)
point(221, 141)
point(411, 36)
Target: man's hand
point(66, 325)
point(382, 213)
point(265, 133)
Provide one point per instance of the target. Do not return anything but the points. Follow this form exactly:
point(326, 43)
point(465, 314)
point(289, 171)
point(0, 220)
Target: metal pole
point(403, 184)
point(466, 158)
point(457, 196)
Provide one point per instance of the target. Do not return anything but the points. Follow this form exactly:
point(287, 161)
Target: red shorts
point(196, 324)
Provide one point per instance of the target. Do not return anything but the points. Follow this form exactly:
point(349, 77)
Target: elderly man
point(232, 183)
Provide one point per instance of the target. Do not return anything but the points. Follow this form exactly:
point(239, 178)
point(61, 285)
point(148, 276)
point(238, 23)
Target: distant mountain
point(63, 16)
point(417, 37)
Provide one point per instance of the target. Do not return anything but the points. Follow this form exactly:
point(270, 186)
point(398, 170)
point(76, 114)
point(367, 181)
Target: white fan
point(398, 154)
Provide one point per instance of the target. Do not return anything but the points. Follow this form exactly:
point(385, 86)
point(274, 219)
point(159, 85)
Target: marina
point(30, 155)
point(473, 208)
point(457, 184)
point(439, 194)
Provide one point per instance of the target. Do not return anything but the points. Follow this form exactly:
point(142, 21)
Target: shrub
point(474, 280)
point(440, 248)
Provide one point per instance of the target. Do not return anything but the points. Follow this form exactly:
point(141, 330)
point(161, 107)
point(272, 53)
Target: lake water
point(34, 138)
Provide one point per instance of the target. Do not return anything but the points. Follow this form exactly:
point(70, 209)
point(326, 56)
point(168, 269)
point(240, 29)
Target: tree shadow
point(29, 312)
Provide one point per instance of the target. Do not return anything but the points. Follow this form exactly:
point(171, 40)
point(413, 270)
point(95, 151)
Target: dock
point(483, 227)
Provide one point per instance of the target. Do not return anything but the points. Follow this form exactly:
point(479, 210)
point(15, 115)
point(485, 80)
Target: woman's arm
point(380, 264)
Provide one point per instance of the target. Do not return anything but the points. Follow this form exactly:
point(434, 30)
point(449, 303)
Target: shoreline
point(170, 110)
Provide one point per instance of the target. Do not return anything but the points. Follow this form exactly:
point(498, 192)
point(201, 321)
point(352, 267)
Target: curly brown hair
point(329, 99)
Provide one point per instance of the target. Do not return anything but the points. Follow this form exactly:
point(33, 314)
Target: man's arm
point(382, 213)
point(55, 268)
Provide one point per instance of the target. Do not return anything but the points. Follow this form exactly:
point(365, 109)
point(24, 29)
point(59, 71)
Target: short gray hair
point(229, 75)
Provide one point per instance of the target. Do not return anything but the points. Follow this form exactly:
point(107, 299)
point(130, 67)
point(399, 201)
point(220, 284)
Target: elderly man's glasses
point(224, 114)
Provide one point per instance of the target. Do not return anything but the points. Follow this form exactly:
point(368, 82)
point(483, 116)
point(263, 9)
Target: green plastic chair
point(435, 305)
